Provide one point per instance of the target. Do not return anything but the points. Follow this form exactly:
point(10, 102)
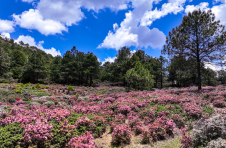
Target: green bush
point(139, 78)
point(38, 85)
point(10, 135)
point(207, 109)
point(70, 88)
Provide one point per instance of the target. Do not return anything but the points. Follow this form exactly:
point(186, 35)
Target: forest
point(137, 101)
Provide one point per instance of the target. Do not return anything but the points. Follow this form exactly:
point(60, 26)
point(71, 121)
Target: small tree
point(4, 65)
point(199, 36)
point(139, 78)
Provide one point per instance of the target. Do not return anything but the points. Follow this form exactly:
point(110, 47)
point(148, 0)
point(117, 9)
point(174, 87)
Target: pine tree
point(198, 36)
point(4, 65)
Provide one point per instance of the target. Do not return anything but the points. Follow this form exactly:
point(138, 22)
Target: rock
point(62, 103)
point(67, 97)
point(35, 98)
point(35, 103)
point(86, 98)
point(60, 97)
point(43, 97)
point(2, 111)
point(49, 103)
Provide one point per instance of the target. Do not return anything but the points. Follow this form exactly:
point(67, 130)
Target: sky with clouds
point(98, 26)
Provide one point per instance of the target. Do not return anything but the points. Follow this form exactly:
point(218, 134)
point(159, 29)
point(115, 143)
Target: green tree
point(199, 36)
point(222, 76)
point(35, 68)
point(18, 60)
point(163, 62)
point(55, 69)
point(91, 67)
point(68, 66)
point(139, 78)
point(4, 65)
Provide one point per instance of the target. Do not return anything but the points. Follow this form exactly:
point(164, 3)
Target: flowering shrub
point(212, 128)
point(121, 134)
point(177, 120)
point(84, 124)
point(37, 133)
point(218, 143)
point(219, 103)
point(85, 141)
point(193, 110)
point(186, 139)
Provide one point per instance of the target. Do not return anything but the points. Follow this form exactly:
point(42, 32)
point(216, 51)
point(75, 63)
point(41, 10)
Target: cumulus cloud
point(29, 1)
point(174, 6)
point(6, 26)
point(31, 41)
point(33, 20)
point(191, 8)
point(212, 66)
point(109, 59)
point(129, 34)
point(67, 11)
point(218, 10)
point(5, 35)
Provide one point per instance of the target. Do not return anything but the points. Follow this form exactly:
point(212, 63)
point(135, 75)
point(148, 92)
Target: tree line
point(197, 40)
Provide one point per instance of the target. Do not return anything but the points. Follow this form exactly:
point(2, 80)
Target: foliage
point(11, 135)
point(139, 78)
point(188, 40)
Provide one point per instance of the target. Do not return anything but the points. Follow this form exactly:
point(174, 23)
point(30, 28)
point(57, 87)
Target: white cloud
point(29, 1)
point(109, 59)
point(5, 35)
point(33, 20)
point(220, 13)
point(65, 11)
point(174, 6)
point(129, 34)
point(191, 8)
point(31, 41)
point(212, 66)
point(6, 26)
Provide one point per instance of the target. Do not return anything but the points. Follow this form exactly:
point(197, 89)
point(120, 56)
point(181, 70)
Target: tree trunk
point(90, 80)
point(199, 74)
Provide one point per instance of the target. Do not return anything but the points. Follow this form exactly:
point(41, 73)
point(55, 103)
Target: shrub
point(70, 88)
point(38, 85)
point(219, 103)
point(62, 132)
point(85, 141)
point(213, 128)
point(139, 78)
point(84, 124)
point(121, 135)
point(186, 139)
point(11, 135)
point(218, 143)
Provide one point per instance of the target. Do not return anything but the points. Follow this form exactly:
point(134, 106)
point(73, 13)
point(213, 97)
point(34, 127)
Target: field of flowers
point(57, 116)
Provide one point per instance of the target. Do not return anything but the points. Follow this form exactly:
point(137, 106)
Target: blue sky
point(98, 26)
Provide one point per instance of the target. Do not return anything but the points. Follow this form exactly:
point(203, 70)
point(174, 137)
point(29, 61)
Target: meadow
point(58, 116)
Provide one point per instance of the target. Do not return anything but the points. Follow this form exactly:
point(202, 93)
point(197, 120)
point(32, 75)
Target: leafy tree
point(139, 78)
point(91, 67)
point(35, 68)
point(199, 36)
point(209, 77)
point(163, 62)
point(55, 69)
point(4, 65)
point(18, 60)
point(68, 66)
point(222, 76)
